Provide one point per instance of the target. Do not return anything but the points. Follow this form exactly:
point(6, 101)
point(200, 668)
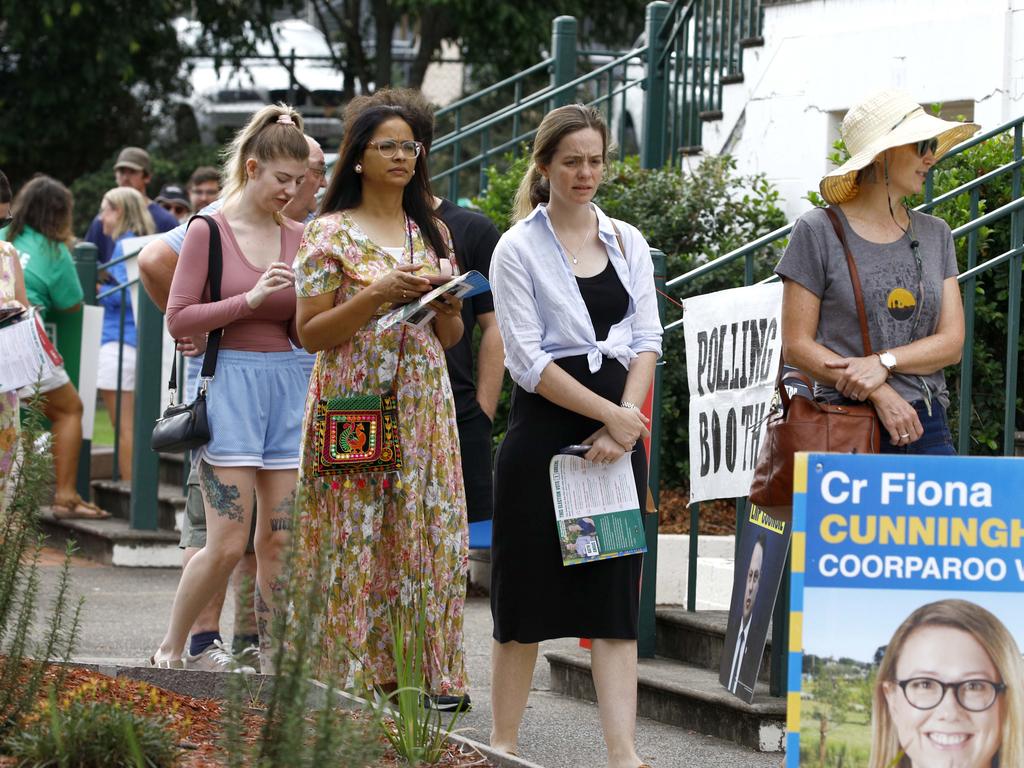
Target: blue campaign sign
point(907, 583)
point(915, 523)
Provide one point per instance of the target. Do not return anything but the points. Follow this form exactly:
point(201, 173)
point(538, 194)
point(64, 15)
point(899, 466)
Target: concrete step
point(698, 638)
point(113, 542)
point(115, 497)
point(685, 696)
point(173, 469)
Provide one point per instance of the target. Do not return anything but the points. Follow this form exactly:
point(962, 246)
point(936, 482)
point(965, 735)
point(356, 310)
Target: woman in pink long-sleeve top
point(256, 398)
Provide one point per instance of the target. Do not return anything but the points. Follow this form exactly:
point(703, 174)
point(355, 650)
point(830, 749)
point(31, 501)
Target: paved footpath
point(125, 615)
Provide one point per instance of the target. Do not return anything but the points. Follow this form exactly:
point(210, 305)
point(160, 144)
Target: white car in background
point(223, 98)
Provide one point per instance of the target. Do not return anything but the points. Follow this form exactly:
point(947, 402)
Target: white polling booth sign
point(733, 348)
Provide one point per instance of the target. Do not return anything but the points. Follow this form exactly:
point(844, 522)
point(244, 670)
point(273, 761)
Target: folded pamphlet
point(26, 353)
point(418, 314)
point(597, 510)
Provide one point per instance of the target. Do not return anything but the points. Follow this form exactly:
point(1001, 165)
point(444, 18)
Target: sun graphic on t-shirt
point(901, 304)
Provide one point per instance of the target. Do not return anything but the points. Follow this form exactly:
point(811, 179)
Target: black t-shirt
point(474, 237)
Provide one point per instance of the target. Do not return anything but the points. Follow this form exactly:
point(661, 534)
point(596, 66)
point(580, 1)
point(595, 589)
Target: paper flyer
point(26, 353)
point(418, 314)
point(596, 509)
point(907, 612)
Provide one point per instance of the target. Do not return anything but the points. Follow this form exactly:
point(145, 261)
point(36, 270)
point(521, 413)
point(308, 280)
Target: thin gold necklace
point(573, 254)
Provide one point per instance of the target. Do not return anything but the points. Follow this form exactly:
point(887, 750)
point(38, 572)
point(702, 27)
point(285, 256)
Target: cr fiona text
point(837, 487)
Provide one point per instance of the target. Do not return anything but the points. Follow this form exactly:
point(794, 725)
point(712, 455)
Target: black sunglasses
point(923, 147)
point(5, 220)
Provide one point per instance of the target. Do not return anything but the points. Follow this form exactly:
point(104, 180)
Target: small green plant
point(23, 658)
point(95, 734)
point(294, 734)
point(416, 732)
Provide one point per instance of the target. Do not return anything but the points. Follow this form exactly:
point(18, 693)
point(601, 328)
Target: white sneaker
point(216, 658)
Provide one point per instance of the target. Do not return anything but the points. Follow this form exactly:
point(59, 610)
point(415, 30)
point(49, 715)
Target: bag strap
point(215, 273)
point(862, 315)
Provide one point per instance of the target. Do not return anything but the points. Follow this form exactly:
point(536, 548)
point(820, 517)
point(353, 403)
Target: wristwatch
point(888, 359)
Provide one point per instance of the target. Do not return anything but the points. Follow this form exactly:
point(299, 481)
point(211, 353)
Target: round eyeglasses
point(972, 695)
point(389, 148)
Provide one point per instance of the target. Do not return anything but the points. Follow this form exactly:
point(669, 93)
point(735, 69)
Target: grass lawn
point(102, 430)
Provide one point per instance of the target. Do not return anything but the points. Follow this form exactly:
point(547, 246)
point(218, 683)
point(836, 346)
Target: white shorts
point(106, 377)
point(55, 380)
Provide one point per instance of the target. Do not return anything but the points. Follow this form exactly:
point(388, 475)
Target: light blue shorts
point(255, 404)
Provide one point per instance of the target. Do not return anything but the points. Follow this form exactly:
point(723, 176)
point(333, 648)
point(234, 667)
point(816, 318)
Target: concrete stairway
point(680, 686)
point(113, 541)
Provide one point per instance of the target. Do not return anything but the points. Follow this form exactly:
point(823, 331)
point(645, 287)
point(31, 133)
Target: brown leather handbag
point(799, 423)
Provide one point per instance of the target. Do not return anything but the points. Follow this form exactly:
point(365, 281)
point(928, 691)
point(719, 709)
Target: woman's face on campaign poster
point(947, 736)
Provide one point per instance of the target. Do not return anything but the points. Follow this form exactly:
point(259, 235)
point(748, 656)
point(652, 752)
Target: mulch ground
point(717, 518)
point(196, 722)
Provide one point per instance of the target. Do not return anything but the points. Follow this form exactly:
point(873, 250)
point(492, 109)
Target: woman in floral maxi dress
point(394, 539)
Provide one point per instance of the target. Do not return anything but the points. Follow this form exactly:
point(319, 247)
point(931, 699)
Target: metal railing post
point(563, 49)
point(967, 361)
point(148, 389)
point(652, 152)
point(1013, 302)
point(85, 257)
point(646, 639)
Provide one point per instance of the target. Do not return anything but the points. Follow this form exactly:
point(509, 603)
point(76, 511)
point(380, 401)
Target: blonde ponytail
point(273, 133)
point(533, 189)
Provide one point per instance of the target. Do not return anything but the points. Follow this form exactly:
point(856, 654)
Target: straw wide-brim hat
point(888, 119)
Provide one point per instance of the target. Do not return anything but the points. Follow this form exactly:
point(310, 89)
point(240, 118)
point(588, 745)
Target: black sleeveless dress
point(533, 596)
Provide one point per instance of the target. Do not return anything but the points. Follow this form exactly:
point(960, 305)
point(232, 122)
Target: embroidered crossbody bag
point(359, 433)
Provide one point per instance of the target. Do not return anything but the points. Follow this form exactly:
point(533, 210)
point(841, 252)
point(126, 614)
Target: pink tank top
point(190, 312)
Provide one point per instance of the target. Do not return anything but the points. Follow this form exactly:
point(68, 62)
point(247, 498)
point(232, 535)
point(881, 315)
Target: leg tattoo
point(224, 498)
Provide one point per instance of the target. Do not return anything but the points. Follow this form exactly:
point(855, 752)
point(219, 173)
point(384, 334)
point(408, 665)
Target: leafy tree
point(364, 33)
point(832, 703)
point(79, 79)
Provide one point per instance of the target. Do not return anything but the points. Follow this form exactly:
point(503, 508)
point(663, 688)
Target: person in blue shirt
point(133, 168)
point(122, 215)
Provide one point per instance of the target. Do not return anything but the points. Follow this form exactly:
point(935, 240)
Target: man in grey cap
point(132, 169)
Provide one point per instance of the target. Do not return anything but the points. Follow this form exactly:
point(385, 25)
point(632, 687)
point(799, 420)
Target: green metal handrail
point(457, 106)
point(482, 128)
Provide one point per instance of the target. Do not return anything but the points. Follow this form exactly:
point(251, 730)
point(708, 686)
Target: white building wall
point(822, 56)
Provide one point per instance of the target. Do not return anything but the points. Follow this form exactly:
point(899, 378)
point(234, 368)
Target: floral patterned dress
point(388, 542)
point(9, 420)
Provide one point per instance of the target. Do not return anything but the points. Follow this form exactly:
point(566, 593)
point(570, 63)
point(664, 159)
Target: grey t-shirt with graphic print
point(900, 307)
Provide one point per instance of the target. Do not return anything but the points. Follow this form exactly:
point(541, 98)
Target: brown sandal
point(77, 508)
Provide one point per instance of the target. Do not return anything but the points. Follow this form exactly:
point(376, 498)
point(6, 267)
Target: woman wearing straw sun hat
point(907, 271)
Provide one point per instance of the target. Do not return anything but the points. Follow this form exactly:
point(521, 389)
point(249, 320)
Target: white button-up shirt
point(539, 307)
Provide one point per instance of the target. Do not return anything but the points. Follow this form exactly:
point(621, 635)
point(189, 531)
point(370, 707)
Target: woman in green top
point(40, 230)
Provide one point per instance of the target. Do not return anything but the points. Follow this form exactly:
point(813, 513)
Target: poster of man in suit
point(760, 561)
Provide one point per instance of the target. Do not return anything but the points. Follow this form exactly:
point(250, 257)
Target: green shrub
point(692, 217)
point(22, 661)
point(294, 735)
point(95, 734)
